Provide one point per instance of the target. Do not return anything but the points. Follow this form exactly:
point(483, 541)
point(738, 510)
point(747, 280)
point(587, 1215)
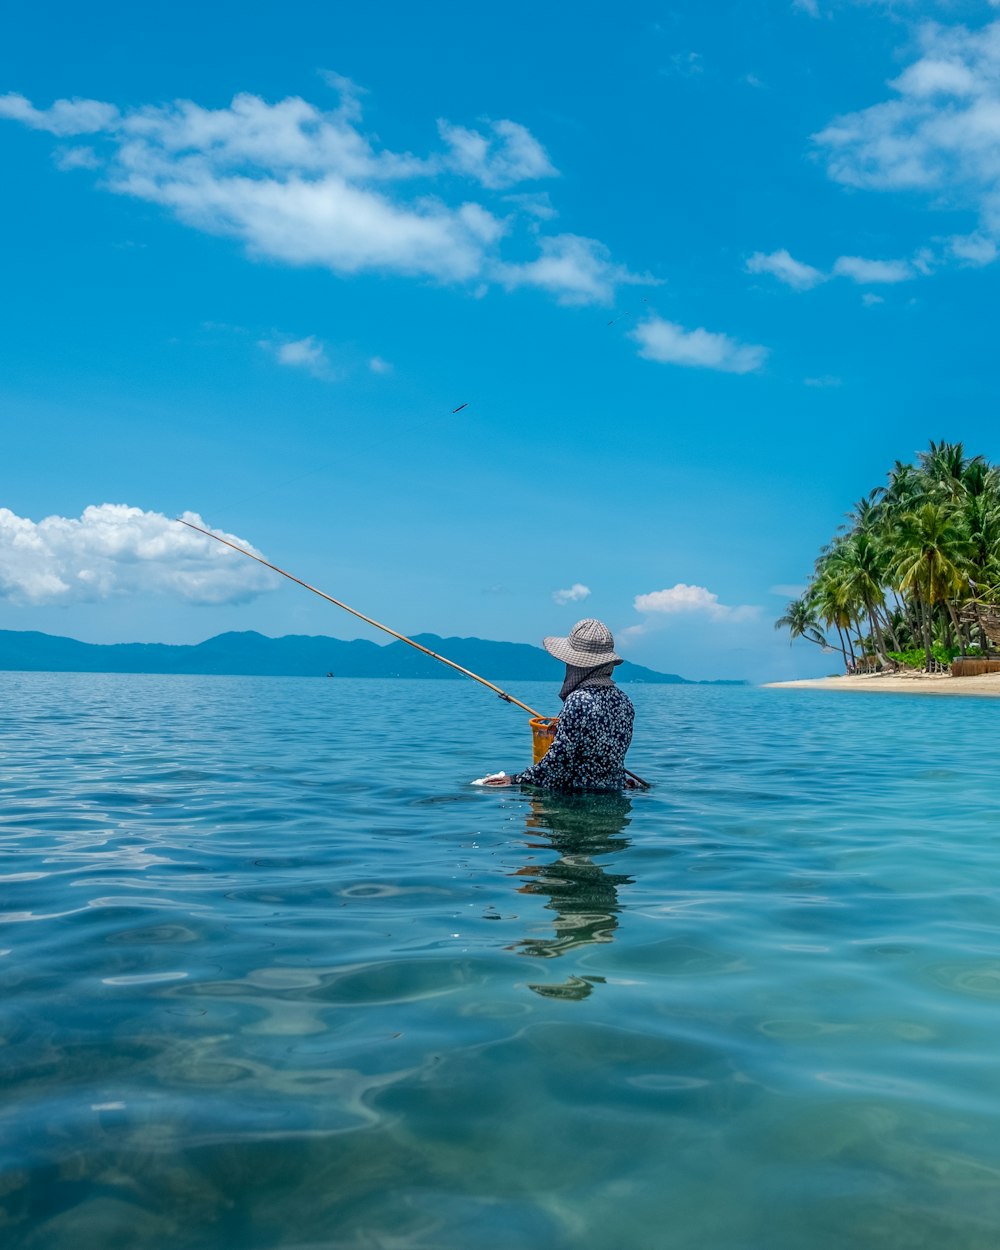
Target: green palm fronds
point(915, 562)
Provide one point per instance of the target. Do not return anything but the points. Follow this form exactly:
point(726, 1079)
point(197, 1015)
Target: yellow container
point(543, 730)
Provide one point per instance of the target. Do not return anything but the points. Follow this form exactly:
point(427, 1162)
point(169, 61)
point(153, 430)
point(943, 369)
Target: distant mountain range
point(251, 654)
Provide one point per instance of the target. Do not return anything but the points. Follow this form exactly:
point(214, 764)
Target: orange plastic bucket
point(543, 730)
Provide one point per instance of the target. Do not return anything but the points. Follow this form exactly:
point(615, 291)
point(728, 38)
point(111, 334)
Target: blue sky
point(700, 273)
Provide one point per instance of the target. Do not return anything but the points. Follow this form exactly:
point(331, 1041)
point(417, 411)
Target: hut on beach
point(988, 621)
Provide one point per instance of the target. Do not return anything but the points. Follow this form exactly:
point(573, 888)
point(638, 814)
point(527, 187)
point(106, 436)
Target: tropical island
point(910, 586)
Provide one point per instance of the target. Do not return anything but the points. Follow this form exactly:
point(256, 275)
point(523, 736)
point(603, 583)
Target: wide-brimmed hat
point(590, 645)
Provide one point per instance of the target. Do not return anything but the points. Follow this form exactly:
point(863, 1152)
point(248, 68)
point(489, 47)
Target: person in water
point(595, 727)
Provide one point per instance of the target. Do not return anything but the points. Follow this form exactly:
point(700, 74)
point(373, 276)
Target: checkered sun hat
point(590, 645)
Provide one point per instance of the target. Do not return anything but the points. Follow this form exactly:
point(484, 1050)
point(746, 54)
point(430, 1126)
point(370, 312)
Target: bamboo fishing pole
point(507, 698)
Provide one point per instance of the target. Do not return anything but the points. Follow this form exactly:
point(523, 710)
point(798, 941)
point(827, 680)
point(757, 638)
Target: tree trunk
point(893, 636)
point(958, 628)
point(877, 631)
point(843, 648)
point(914, 617)
point(928, 641)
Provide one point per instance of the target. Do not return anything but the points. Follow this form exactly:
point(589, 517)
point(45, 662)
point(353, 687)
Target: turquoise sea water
point(273, 975)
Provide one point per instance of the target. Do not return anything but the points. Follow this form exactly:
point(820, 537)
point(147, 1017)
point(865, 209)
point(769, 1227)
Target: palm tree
point(801, 621)
point(904, 489)
point(866, 514)
point(944, 467)
point(932, 560)
point(914, 560)
point(861, 563)
point(981, 478)
point(981, 523)
point(834, 603)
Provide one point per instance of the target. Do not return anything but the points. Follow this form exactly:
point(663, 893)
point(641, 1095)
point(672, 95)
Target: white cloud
point(924, 261)
point(306, 186)
point(575, 593)
point(77, 158)
point(863, 271)
point(870, 300)
point(308, 354)
point(348, 90)
point(786, 268)
point(114, 550)
point(510, 155)
point(938, 133)
point(825, 380)
point(378, 365)
point(326, 222)
point(973, 249)
point(535, 204)
point(807, 6)
point(668, 343)
point(573, 269)
point(64, 118)
point(684, 600)
point(936, 77)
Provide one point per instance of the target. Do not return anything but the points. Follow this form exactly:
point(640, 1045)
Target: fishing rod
point(507, 698)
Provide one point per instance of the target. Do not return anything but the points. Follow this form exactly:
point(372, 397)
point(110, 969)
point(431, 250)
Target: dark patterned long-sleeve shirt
point(588, 752)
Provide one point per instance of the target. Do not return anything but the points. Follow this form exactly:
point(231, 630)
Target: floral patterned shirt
point(588, 752)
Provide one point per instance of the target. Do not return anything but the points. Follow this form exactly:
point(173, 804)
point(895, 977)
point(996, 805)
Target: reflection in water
point(584, 896)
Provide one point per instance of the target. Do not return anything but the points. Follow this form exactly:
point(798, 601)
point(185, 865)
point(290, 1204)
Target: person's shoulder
point(586, 696)
point(576, 698)
point(621, 697)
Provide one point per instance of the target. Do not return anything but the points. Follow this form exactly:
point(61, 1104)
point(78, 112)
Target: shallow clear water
point(273, 975)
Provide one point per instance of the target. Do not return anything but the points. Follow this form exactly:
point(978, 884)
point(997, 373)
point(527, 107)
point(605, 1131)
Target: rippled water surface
point(273, 975)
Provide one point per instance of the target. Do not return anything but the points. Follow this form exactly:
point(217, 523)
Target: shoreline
point(987, 684)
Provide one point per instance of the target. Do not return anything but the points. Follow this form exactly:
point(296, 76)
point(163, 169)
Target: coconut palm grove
point(913, 579)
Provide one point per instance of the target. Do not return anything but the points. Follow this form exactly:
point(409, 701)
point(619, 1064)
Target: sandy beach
point(917, 683)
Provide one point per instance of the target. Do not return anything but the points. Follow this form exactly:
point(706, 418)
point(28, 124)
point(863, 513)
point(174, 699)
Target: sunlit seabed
point(273, 975)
